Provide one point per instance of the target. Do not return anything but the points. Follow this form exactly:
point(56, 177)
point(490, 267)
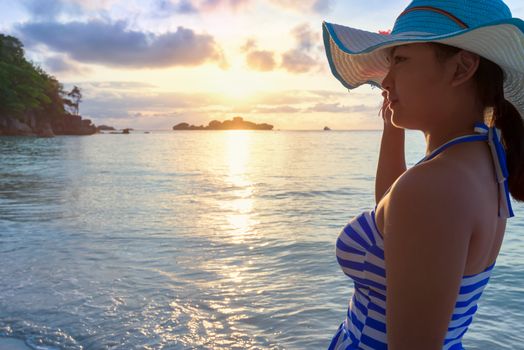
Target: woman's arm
point(391, 161)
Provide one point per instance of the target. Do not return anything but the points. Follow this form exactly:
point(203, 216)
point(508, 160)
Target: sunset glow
point(153, 64)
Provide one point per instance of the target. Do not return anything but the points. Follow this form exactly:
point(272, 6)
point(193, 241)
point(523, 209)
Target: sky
point(151, 64)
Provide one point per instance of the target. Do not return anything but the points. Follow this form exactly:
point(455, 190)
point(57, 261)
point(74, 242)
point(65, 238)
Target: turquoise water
point(200, 240)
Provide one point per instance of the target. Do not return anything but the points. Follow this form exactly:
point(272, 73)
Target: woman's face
point(416, 85)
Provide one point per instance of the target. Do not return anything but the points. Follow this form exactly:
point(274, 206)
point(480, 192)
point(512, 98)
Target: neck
point(458, 118)
point(434, 141)
point(439, 136)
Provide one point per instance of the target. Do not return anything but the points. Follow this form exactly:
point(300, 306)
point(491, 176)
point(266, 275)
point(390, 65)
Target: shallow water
point(206, 240)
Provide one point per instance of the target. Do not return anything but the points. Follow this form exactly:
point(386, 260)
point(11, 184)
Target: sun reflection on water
point(240, 202)
point(218, 320)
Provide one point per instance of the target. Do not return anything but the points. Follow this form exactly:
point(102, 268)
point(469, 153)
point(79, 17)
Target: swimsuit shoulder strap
point(492, 135)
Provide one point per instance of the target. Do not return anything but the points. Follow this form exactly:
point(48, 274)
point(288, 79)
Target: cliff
point(30, 125)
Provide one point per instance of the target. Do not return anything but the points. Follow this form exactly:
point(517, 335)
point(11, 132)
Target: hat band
point(435, 9)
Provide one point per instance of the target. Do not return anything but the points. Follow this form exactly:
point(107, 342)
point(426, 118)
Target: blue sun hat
point(485, 27)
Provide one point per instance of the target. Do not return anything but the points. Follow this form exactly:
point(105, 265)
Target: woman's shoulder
point(427, 206)
point(437, 185)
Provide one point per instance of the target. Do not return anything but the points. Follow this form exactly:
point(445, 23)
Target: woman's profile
point(421, 258)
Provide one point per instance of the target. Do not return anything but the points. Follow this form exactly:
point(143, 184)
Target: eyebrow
point(392, 52)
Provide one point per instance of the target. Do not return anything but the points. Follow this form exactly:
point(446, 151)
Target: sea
point(200, 240)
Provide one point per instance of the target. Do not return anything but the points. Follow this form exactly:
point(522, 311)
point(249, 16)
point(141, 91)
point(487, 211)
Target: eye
point(397, 59)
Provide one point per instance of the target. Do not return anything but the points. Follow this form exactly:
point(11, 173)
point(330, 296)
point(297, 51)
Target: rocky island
point(105, 128)
point(238, 123)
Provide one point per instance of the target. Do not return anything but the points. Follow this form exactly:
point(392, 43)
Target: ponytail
point(504, 116)
point(510, 122)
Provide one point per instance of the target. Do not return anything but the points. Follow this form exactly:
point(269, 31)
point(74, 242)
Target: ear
point(465, 66)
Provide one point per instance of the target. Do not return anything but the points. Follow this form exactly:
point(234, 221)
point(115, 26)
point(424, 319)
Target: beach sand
point(12, 344)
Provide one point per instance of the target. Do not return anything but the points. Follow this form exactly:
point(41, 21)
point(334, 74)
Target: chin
point(397, 125)
point(395, 120)
point(401, 121)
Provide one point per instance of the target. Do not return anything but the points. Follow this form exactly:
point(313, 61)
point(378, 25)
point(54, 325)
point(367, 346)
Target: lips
point(389, 98)
point(392, 103)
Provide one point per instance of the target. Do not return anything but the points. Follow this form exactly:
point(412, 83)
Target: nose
point(386, 85)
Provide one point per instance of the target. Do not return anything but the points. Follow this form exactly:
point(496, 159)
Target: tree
point(11, 49)
point(76, 97)
point(24, 86)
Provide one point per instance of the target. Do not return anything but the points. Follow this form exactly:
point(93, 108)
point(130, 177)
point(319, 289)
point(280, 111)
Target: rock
point(31, 124)
point(46, 131)
point(105, 127)
point(73, 125)
point(181, 126)
point(326, 128)
point(238, 123)
point(11, 126)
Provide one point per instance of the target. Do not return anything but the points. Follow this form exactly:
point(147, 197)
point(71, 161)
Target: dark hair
point(489, 79)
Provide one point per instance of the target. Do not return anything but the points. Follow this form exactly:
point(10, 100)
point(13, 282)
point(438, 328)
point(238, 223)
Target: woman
point(437, 228)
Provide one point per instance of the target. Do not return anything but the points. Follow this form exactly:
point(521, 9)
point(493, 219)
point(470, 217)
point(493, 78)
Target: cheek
point(418, 87)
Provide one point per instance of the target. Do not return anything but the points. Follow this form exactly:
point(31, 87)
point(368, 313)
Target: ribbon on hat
point(501, 170)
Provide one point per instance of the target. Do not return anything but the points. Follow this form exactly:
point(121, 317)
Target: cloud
point(43, 10)
point(130, 104)
point(113, 85)
point(305, 37)
point(260, 109)
point(338, 108)
point(296, 61)
point(287, 97)
point(261, 60)
point(170, 7)
point(304, 56)
point(61, 64)
point(103, 100)
point(323, 6)
point(316, 6)
point(328, 94)
point(167, 7)
point(112, 44)
point(136, 100)
point(280, 109)
point(214, 4)
point(51, 9)
point(250, 44)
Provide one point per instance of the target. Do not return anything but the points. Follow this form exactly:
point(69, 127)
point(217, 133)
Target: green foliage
point(11, 49)
point(25, 87)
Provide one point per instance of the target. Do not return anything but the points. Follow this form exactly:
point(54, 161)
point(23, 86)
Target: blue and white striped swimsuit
point(360, 253)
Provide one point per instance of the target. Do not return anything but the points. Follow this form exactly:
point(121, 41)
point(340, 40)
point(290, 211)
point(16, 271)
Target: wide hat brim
point(356, 57)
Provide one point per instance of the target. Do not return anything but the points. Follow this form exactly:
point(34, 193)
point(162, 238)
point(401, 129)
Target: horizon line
point(134, 129)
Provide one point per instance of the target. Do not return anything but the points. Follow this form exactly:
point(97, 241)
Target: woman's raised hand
point(385, 111)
